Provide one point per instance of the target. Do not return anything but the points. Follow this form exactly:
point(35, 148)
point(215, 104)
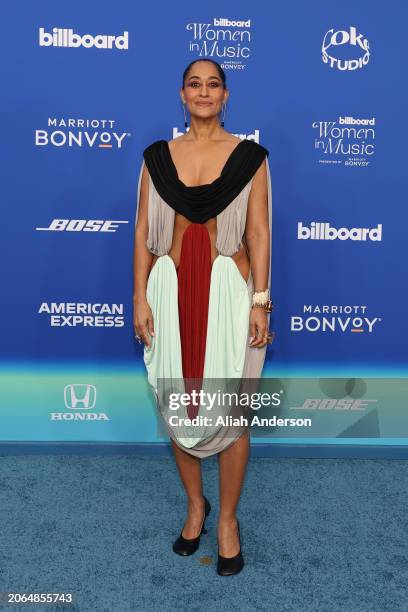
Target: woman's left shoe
point(185, 547)
point(228, 566)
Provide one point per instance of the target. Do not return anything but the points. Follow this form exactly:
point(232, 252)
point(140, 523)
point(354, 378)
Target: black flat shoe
point(228, 566)
point(185, 547)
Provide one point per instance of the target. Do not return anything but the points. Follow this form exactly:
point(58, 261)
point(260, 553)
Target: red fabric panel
point(194, 275)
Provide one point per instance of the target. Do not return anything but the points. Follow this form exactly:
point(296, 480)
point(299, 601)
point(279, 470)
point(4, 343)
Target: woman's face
point(203, 90)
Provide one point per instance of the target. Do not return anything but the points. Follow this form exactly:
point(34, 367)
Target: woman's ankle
point(196, 503)
point(227, 519)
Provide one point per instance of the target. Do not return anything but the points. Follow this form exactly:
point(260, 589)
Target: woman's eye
point(212, 84)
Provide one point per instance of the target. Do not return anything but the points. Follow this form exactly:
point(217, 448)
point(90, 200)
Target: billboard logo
point(355, 42)
point(65, 37)
point(323, 231)
point(231, 23)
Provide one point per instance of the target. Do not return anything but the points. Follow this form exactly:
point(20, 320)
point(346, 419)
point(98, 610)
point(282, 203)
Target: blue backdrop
point(86, 87)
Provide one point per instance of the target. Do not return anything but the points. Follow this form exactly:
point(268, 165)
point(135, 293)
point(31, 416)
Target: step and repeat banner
point(86, 87)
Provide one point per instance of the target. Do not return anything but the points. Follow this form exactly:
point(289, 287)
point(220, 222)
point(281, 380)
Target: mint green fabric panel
point(163, 358)
point(228, 321)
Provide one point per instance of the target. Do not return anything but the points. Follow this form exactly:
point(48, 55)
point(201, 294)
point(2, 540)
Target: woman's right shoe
point(228, 566)
point(185, 547)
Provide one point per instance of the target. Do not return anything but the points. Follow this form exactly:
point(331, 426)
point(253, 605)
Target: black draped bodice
point(199, 203)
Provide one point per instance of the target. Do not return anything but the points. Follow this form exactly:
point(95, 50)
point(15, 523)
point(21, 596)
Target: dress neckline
point(228, 161)
point(202, 202)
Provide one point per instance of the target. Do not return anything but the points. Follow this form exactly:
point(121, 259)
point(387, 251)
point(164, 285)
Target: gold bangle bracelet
point(268, 306)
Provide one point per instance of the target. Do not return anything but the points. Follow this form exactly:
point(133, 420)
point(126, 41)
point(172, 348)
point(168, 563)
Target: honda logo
point(80, 396)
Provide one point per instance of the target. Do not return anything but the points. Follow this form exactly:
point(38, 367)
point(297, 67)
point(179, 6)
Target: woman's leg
point(189, 468)
point(232, 465)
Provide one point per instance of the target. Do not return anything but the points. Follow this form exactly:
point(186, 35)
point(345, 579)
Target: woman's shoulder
point(233, 138)
point(153, 147)
point(156, 144)
point(260, 149)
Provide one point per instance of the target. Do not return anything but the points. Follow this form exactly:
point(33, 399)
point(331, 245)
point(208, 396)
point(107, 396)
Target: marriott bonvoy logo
point(65, 37)
point(74, 132)
point(334, 318)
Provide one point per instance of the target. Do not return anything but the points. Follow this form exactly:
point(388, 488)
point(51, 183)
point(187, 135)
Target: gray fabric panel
point(255, 357)
point(160, 219)
point(231, 223)
point(161, 223)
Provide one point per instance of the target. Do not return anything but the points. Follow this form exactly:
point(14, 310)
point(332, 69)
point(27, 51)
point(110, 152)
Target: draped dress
point(200, 310)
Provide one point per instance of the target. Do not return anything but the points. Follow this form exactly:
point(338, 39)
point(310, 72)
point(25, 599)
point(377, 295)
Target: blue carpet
point(326, 535)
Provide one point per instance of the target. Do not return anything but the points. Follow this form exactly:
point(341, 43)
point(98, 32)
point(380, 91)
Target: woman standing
point(201, 287)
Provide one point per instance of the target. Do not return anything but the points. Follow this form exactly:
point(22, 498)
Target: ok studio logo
point(354, 41)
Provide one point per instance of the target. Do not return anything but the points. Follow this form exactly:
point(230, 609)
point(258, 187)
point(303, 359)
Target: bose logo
point(81, 225)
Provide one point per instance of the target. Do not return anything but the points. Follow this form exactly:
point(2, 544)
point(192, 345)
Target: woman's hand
point(143, 321)
point(258, 327)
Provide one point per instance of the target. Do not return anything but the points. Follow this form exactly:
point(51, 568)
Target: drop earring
point(224, 107)
point(185, 117)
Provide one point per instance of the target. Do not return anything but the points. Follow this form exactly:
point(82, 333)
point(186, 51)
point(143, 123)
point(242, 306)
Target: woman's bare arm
point(142, 260)
point(257, 237)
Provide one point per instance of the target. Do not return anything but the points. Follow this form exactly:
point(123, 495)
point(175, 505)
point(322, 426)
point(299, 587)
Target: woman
point(201, 288)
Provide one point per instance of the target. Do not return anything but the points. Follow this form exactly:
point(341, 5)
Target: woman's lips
point(204, 103)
